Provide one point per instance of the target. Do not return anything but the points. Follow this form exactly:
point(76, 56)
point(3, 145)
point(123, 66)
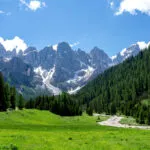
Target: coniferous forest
point(9, 98)
point(63, 104)
point(123, 89)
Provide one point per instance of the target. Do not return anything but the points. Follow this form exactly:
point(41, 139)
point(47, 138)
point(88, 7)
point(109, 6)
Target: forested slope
point(9, 98)
point(121, 89)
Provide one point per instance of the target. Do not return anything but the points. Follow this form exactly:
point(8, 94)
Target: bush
point(9, 147)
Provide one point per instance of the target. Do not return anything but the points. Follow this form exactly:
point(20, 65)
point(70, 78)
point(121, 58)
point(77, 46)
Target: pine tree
point(141, 117)
point(30, 104)
point(20, 102)
point(148, 117)
point(89, 111)
point(7, 95)
point(3, 105)
point(149, 86)
point(13, 98)
point(113, 109)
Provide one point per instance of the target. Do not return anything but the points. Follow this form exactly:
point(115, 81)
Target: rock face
point(52, 70)
point(133, 50)
point(2, 50)
point(100, 60)
point(16, 72)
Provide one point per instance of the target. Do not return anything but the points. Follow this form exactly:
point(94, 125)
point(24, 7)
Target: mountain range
point(57, 68)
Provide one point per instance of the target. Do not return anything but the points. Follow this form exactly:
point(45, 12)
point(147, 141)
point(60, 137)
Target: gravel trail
point(114, 121)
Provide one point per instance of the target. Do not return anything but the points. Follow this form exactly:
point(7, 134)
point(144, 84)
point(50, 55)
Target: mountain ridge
point(62, 68)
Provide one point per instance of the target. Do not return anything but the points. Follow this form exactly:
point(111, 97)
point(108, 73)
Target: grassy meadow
point(42, 130)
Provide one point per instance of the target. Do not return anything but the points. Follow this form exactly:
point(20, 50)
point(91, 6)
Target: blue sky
point(109, 24)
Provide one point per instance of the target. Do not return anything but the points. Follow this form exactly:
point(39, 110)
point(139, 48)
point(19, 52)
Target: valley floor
point(42, 130)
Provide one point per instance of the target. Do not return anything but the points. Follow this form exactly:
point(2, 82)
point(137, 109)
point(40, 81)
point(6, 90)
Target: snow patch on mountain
point(143, 45)
point(113, 57)
point(6, 59)
point(89, 72)
point(47, 78)
point(122, 53)
point(55, 47)
point(74, 91)
point(24, 54)
point(126, 53)
point(77, 78)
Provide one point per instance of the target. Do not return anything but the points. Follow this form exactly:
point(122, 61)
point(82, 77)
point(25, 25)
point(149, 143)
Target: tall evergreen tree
point(20, 102)
point(149, 86)
point(3, 105)
point(13, 97)
point(7, 95)
point(113, 109)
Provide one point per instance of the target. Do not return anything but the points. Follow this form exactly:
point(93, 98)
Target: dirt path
point(114, 121)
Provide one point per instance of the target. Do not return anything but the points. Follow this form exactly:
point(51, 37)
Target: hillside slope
point(121, 89)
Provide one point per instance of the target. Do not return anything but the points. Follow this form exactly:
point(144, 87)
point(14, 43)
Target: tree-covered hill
point(121, 89)
point(63, 105)
point(9, 98)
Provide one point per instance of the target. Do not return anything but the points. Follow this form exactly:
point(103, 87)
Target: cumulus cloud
point(33, 4)
point(16, 43)
point(133, 6)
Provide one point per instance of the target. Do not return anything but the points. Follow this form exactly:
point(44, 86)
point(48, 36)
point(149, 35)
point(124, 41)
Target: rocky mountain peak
point(63, 47)
point(30, 49)
point(60, 69)
point(99, 57)
point(133, 50)
point(97, 52)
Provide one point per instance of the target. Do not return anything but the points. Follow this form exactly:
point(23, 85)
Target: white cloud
point(132, 6)
point(75, 44)
point(33, 4)
point(16, 43)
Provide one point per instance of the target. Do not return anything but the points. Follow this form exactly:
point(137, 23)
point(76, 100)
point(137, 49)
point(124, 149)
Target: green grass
point(42, 130)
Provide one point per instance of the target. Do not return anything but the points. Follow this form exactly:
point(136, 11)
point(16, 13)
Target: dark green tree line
point(121, 89)
point(9, 96)
point(63, 104)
